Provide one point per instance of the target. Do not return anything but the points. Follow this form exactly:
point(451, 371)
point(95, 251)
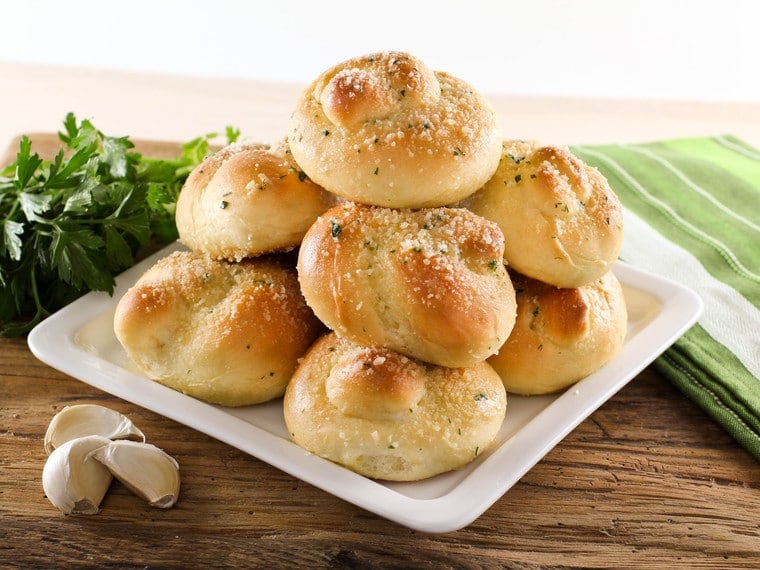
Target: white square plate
point(79, 341)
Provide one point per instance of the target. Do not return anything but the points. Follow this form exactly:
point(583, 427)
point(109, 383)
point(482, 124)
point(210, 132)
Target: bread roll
point(246, 200)
point(562, 222)
point(561, 335)
point(427, 283)
point(386, 130)
point(225, 333)
point(389, 417)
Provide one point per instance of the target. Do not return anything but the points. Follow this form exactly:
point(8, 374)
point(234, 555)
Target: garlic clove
point(88, 419)
point(143, 468)
point(73, 480)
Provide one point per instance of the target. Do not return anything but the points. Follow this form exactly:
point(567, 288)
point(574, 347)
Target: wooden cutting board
point(646, 480)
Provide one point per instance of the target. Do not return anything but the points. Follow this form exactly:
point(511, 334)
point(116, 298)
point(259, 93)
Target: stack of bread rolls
point(436, 266)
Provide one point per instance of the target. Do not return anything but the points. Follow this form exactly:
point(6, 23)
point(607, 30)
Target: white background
point(654, 49)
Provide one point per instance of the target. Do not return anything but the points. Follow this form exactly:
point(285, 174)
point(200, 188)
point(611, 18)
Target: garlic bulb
point(73, 480)
point(145, 469)
point(88, 419)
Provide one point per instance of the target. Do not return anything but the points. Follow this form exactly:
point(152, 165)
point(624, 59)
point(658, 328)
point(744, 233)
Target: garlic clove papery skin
point(143, 468)
point(88, 419)
point(73, 480)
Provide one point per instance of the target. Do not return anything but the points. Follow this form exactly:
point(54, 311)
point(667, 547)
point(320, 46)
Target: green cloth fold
point(692, 210)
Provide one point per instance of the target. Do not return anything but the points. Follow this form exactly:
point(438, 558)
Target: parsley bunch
point(70, 224)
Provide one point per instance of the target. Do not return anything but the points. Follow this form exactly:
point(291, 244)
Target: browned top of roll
point(562, 222)
point(427, 283)
point(561, 335)
point(387, 416)
point(246, 200)
point(227, 333)
point(385, 129)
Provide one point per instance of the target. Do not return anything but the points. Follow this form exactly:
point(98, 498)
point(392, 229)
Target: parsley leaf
point(69, 225)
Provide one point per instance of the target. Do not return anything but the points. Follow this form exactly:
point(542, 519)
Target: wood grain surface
point(647, 481)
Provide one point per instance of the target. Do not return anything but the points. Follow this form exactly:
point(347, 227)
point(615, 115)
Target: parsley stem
point(41, 311)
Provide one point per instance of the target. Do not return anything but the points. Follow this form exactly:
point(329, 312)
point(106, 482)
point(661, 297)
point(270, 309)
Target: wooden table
point(647, 481)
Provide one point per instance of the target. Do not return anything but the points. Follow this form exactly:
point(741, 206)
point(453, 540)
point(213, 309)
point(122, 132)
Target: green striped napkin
point(692, 210)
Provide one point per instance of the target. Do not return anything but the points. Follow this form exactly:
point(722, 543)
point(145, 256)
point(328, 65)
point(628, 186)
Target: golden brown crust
point(386, 416)
point(375, 383)
point(386, 130)
point(562, 222)
point(246, 200)
point(561, 335)
point(226, 333)
point(427, 283)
